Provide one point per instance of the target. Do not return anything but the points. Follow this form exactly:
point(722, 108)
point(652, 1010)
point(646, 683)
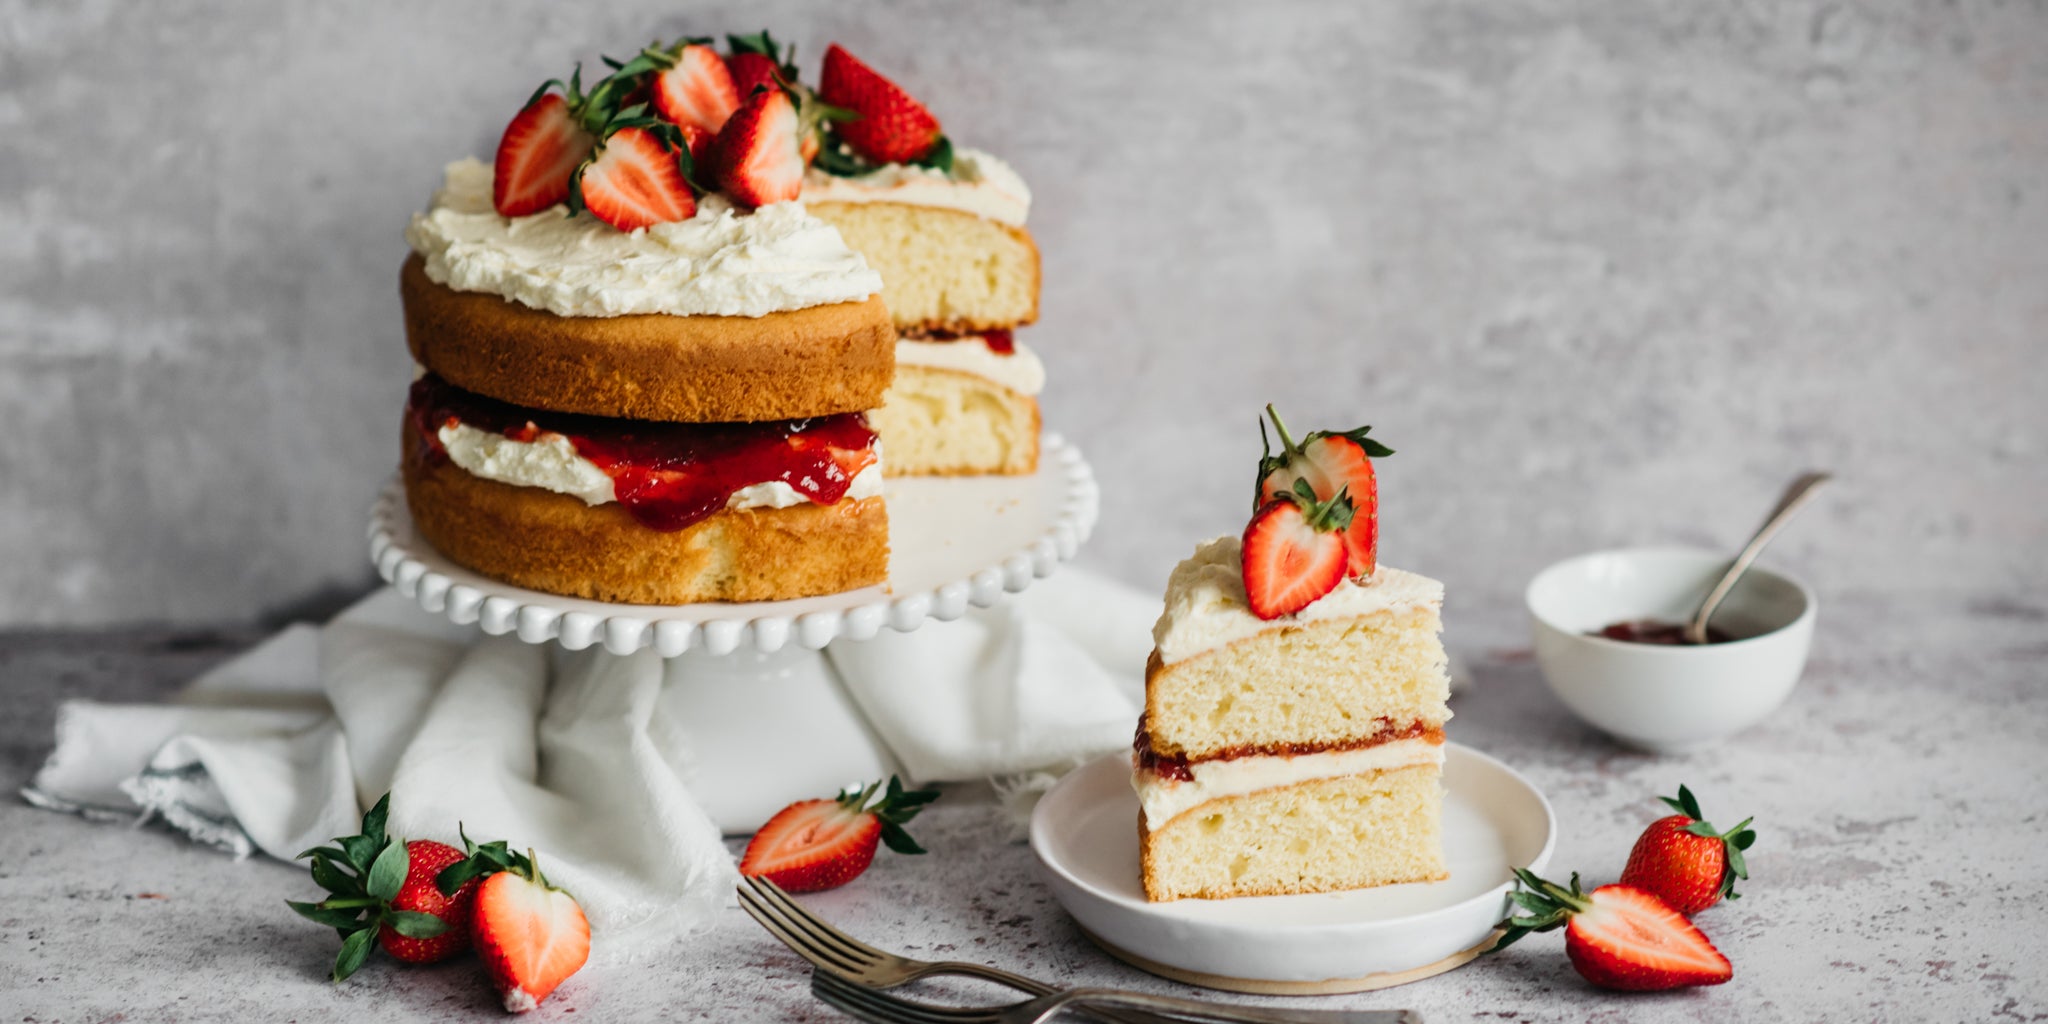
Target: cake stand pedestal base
point(762, 726)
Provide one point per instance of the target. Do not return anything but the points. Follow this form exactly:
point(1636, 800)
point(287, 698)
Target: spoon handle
point(1796, 497)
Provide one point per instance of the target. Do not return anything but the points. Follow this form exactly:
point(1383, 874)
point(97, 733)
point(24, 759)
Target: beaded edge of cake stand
point(534, 620)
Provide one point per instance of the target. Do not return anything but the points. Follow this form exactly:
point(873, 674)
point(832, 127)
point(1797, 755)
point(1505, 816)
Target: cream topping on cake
point(721, 262)
point(1206, 606)
point(1164, 799)
point(1020, 371)
point(979, 184)
point(550, 462)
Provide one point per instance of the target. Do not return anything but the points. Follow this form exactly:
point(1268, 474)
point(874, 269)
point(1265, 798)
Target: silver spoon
point(1796, 497)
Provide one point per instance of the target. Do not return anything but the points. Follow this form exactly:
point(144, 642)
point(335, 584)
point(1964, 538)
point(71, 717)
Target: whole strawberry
point(821, 844)
point(1682, 859)
point(1617, 936)
point(384, 892)
point(889, 126)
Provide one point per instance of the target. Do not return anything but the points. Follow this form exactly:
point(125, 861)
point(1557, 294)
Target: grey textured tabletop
point(1900, 873)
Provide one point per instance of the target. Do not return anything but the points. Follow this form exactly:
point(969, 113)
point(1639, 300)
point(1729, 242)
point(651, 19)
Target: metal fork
point(885, 1008)
point(842, 957)
point(856, 961)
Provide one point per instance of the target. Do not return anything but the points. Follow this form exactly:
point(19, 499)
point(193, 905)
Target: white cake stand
point(745, 679)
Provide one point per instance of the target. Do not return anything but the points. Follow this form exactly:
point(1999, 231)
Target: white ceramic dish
point(1085, 834)
point(1667, 699)
point(953, 542)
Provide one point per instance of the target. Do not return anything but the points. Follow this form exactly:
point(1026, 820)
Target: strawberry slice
point(695, 89)
point(823, 844)
point(530, 935)
point(698, 142)
point(892, 126)
point(536, 156)
point(634, 182)
point(1294, 551)
point(757, 158)
point(1331, 463)
point(1617, 936)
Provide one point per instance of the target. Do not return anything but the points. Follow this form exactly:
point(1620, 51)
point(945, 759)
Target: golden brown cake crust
point(541, 540)
point(688, 369)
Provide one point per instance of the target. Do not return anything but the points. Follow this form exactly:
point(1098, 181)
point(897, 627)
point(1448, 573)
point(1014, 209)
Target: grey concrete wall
point(1603, 273)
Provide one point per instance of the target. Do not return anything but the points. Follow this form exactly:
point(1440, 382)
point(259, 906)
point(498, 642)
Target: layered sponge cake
point(1292, 739)
point(637, 384)
point(945, 228)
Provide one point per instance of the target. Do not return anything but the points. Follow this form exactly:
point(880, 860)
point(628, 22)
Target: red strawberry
point(751, 71)
point(530, 935)
point(538, 152)
point(425, 860)
point(1331, 463)
point(1685, 862)
point(696, 90)
point(757, 159)
point(822, 844)
point(634, 181)
point(757, 61)
point(698, 141)
point(384, 892)
point(1294, 552)
point(892, 127)
point(1618, 936)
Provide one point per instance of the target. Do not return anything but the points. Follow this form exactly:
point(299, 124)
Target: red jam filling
point(668, 476)
point(1180, 768)
point(1002, 343)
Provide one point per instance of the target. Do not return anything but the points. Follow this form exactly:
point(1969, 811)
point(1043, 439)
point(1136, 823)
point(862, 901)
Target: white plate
point(953, 542)
point(1085, 834)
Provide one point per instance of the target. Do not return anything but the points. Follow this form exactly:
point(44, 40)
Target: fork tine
point(794, 925)
point(801, 916)
point(817, 957)
point(896, 1008)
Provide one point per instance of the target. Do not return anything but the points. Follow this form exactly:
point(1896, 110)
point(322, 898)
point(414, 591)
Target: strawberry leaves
point(1549, 906)
point(896, 807)
point(362, 874)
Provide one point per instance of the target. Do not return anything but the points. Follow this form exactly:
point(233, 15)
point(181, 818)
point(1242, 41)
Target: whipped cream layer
point(1206, 606)
point(721, 262)
point(1020, 370)
point(1164, 799)
point(979, 184)
point(550, 462)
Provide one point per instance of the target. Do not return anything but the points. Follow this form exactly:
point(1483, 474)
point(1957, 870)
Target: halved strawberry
point(1688, 864)
point(822, 844)
point(695, 89)
point(538, 152)
point(382, 892)
point(530, 935)
point(698, 141)
point(757, 158)
point(892, 126)
point(1331, 463)
point(1618, 936)
point(1294, 551)
point(634, 181)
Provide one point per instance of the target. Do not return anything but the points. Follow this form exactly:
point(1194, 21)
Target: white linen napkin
point(575, 754)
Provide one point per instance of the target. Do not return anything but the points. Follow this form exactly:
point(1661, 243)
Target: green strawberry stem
point(1287, 444)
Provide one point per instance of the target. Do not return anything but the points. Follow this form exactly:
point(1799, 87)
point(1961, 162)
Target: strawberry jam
point(1000, 342)
point(668, 476)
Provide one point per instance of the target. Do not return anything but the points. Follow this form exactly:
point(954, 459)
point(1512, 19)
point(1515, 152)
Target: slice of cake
point(633, 389)
point(961, 407)
point(945, 228)
point(1295, 702)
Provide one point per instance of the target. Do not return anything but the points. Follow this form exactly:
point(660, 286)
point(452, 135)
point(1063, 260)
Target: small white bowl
point(1663, 698)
